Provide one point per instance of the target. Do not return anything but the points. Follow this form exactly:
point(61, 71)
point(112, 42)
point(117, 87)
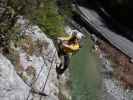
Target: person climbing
point(67, 46)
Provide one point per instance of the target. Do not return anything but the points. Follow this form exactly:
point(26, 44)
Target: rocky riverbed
point(112, 88)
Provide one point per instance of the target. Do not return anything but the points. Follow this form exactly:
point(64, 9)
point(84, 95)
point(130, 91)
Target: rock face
point(35, 61)
point(11, 85)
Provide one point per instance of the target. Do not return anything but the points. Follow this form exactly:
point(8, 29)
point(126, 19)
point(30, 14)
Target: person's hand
point(65, 45)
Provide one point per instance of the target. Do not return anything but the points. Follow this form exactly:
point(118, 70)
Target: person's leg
point(64, 64)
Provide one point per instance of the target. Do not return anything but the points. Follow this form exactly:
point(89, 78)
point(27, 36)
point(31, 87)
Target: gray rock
point(11, 85)
point(48, 59)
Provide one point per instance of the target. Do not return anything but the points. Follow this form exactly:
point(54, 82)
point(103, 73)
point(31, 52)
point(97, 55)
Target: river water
point(86, 79)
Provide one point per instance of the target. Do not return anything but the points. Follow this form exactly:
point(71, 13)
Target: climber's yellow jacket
point(69, 48)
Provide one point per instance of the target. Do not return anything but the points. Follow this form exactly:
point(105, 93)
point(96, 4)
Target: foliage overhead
point(41, 12)
point(44, 13)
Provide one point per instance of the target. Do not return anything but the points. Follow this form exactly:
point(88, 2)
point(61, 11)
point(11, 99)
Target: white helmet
point(78, 34)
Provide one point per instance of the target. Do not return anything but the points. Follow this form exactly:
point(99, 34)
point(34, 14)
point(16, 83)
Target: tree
point(41, 12)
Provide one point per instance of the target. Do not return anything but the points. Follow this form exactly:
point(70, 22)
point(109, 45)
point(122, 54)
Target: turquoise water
point(86, 80)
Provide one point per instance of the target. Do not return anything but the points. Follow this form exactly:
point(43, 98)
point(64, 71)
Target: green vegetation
point(44, 13)
point(48, 18)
